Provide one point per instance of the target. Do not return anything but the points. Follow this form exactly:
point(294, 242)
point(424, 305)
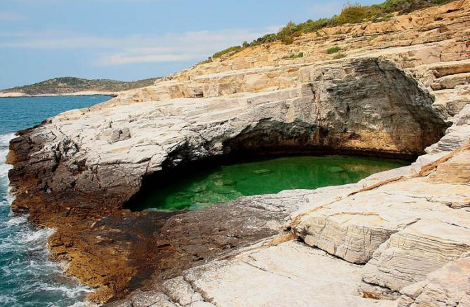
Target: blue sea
point(27, 277)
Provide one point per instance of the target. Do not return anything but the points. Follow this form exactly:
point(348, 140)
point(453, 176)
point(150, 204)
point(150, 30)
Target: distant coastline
point(71, 86)
point(82, 93)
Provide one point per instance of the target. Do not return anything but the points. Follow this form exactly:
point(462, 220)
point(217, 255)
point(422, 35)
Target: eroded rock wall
point(365, 105)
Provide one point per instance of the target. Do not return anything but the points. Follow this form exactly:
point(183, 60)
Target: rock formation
point(381, 242)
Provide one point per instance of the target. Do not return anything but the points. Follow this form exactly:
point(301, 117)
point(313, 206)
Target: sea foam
point(24, 249)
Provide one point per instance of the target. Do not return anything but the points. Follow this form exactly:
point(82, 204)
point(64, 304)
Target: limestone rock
point(144, 299)
point(269, 277)
point(181, 292)
point(448, 286)
point(354, 227)
point(411, 254)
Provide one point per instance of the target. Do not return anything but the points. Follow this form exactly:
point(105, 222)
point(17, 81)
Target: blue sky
point(133, 39)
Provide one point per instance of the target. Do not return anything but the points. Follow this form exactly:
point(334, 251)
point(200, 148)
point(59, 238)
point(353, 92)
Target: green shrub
point(231, 51)
point(373, 37)
point(339, 56)
point(353, 13)
point(407, 6)
point(268, 38)
point(287, 34)
point(334, 49)
point(296, 55)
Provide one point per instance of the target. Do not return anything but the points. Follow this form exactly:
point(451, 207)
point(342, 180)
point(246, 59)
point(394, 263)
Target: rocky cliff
point(400, 89)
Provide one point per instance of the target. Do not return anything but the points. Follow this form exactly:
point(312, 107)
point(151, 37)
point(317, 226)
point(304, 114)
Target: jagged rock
point(91, 165)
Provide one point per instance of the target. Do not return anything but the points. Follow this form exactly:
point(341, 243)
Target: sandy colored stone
point(447, 286)
point(411, 254)
point(270, 277)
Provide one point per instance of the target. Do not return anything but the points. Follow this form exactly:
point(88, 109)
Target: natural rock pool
point(205, 186)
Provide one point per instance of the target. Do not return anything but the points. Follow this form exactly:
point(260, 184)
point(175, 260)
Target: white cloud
point(124, 58)
point(171, 47)
point(174, 47)
point(10, 16)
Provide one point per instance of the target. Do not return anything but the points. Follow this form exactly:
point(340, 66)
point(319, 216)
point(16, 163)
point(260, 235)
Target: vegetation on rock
point(296, 55)
point(69, 85)
point(334, 49)
point(339, 56)
point(351, 13)
point(230, 50)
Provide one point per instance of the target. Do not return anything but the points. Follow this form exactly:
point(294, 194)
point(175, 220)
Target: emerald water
point(204, 187)
point(27, 277)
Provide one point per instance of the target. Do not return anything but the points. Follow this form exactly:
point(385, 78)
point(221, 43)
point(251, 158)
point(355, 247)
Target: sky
point(133, 39)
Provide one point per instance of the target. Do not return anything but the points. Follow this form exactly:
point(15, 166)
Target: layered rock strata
point(398, 238)
point(380, 242)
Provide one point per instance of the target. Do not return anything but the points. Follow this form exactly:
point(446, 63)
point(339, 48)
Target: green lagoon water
point(27, 277)
point(193, 190)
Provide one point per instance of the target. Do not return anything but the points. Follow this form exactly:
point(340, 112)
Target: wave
point(7, 300)
point(70, 292)
point(26, 270)
point(4, 145)
point(4, 148)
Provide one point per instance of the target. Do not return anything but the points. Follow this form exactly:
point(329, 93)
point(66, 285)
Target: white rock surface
point(290, 274)
point(448, 286)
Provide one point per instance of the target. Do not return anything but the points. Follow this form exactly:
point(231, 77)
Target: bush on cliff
point(407, 6)
point(296, 56)
point(353, 14)
point(332, 50)
point(231, 50)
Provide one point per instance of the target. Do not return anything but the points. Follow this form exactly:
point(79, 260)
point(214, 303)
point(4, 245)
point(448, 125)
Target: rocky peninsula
point(399, 238)
point(70, 86)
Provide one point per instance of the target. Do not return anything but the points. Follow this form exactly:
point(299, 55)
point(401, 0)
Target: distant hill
point(70, 85)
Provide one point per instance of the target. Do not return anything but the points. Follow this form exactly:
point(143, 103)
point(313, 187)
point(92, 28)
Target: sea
point(27, 277)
